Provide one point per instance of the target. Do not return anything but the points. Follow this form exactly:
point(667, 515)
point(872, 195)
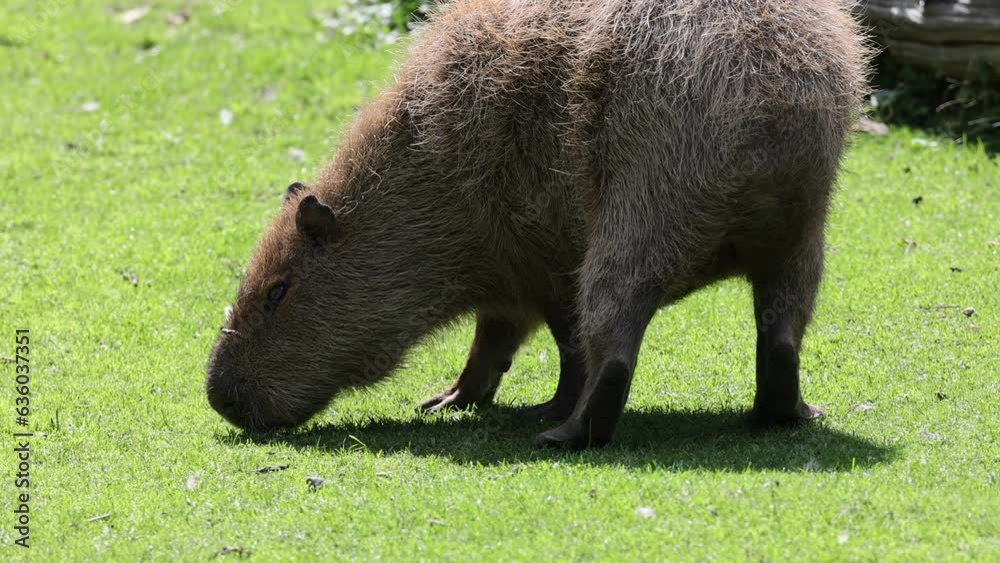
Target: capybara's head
point(291, 339)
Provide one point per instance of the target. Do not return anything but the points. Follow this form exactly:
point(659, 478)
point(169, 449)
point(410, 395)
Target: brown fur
point(580, 162)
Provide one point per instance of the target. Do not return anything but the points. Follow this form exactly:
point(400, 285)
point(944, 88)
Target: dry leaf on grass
point(241, 552)
point(864, 407)
point(272, 468)
point(178, 18)
point(129, 17)
point(267, 94)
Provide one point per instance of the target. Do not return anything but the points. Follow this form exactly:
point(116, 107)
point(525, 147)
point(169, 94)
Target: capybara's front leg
point(498, 337)
point(784, 293)
point(615, 310)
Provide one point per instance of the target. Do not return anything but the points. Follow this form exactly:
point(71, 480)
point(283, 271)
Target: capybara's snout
point(229, 394)
point(248, 402)
point(222, 393)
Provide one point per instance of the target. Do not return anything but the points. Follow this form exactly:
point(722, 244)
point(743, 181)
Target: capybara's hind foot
point(552, 409)
point(765, 419)
point(570, 435)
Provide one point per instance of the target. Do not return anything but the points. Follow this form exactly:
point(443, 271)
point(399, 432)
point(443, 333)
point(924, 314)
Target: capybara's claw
point(451, 399)
point(431, 403)
point(810, 412)
point(761, 419)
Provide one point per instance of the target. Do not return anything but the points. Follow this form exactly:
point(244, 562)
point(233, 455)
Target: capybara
point(577, 162)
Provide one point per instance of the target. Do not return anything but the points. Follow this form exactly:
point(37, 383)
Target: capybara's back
point(580, 162)
point(708, 115)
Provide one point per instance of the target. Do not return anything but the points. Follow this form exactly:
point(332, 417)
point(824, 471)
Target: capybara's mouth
point(250, 419)
point(254, 423)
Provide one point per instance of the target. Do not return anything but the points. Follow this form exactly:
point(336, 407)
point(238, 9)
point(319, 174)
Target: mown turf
point(124, 231)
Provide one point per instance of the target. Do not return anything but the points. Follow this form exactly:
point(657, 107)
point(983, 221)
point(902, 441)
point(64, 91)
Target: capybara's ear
point(316, 221)
point(293, 188)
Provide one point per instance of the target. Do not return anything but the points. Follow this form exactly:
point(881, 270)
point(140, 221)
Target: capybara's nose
point(220, 393)
point(227, 409)
point(221, 400)
point(224, 401)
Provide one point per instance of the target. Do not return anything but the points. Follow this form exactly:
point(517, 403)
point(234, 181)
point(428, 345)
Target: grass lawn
point(129, 208)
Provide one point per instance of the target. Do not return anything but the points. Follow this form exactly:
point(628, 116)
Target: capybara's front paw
point(452, 398)
point(766, 419)
point(570, 435)
point(472, 388)
point(549, 410)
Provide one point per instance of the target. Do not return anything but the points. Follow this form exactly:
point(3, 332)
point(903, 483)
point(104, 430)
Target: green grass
point(123, 233)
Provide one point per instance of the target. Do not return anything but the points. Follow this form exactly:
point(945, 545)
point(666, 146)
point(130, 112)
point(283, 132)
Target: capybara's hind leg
point(784, 294)
point(562, 319)
point(615, 309)
point(498, 337)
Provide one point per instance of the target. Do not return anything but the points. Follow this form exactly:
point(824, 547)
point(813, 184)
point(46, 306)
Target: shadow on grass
point(657, 439)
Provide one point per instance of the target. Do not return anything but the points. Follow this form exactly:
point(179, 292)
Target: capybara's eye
point(277, 292)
